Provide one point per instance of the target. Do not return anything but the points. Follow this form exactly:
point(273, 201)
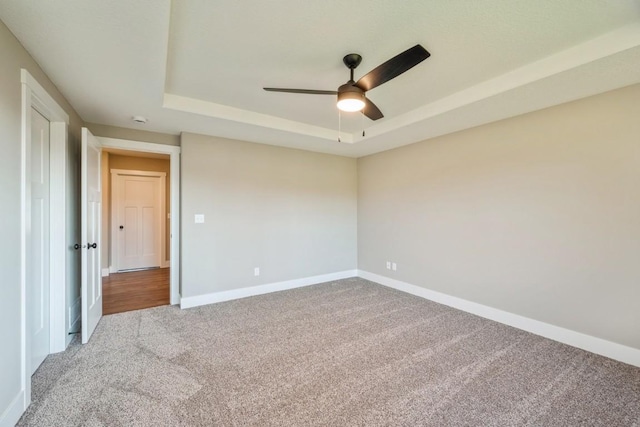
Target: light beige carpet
point(344, 353)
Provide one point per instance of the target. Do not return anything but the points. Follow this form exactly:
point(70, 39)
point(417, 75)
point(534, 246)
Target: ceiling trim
point(608, 44)
point(219, 111)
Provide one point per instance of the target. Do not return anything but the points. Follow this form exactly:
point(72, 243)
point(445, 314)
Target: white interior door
point(138, 201)
point(91, 199)
point(38, 277)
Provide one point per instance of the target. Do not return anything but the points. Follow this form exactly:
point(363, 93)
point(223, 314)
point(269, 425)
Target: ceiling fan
point(351, 95)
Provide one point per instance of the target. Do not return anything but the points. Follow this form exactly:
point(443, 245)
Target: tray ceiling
point(193, 66)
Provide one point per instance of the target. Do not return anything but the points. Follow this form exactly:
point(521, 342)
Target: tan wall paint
point(290, 212)
point(133, 134)
point(15, 57)
point(106, 210)
point(537, 215)
point(116, 161)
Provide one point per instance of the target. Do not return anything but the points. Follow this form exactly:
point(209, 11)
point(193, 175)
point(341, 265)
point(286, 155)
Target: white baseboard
point(214, 297)
point(112, 269)
point(590, 343)
point(14, 411)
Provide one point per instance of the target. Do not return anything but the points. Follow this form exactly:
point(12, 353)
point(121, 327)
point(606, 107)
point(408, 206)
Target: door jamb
point(35, 96)
point(115, 173)
point(174, 160)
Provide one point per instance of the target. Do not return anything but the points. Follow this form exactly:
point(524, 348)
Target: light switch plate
point(199, 218)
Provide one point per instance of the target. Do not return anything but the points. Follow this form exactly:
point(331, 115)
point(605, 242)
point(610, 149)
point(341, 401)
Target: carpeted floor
point(344, 353)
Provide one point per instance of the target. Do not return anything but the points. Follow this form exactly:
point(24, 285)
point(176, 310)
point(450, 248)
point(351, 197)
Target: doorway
point(136, 226)
point(173, 211)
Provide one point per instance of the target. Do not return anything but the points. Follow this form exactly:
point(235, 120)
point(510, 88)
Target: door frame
point(174, 170)
point(162, 177)
point(35, 96)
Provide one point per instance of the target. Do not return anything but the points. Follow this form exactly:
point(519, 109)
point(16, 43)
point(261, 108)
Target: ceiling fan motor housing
point(349, 88)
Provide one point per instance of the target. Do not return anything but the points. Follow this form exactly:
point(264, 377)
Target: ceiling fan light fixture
point(351, 94)
point(351, 101)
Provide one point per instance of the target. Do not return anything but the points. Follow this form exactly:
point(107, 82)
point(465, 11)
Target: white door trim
point(174, 159)
point(35, 96)
point(115, 208)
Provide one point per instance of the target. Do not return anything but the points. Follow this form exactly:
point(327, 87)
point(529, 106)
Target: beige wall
point(117, 161)
point(105, 254)
point(289, 212)
point(14, 57)
point(537, 215)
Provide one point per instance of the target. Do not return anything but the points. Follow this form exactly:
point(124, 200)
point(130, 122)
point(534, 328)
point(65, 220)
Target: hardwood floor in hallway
point(135, 290)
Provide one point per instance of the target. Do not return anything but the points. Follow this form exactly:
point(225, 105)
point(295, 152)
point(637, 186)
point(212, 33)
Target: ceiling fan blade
point(393, 67)
point(305, 91)
point(371, 110)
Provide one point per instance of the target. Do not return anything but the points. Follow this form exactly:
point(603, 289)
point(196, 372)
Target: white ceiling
point(199, 66)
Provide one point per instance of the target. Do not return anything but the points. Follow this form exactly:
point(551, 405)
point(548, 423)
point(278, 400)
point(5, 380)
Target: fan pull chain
point(362, 122)
point(339, 125)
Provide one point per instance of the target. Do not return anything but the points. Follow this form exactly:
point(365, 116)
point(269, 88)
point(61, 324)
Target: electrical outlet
point(393, 266)
point(256, 271)
point(199, 219)
point(388, 265)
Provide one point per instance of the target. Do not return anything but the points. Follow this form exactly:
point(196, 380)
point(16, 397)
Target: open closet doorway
point(136, 230)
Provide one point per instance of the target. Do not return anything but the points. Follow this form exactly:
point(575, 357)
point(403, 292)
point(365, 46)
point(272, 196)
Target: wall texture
point(15, 57)
point(537, 215)
point(291, 213)
point(116, 161)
